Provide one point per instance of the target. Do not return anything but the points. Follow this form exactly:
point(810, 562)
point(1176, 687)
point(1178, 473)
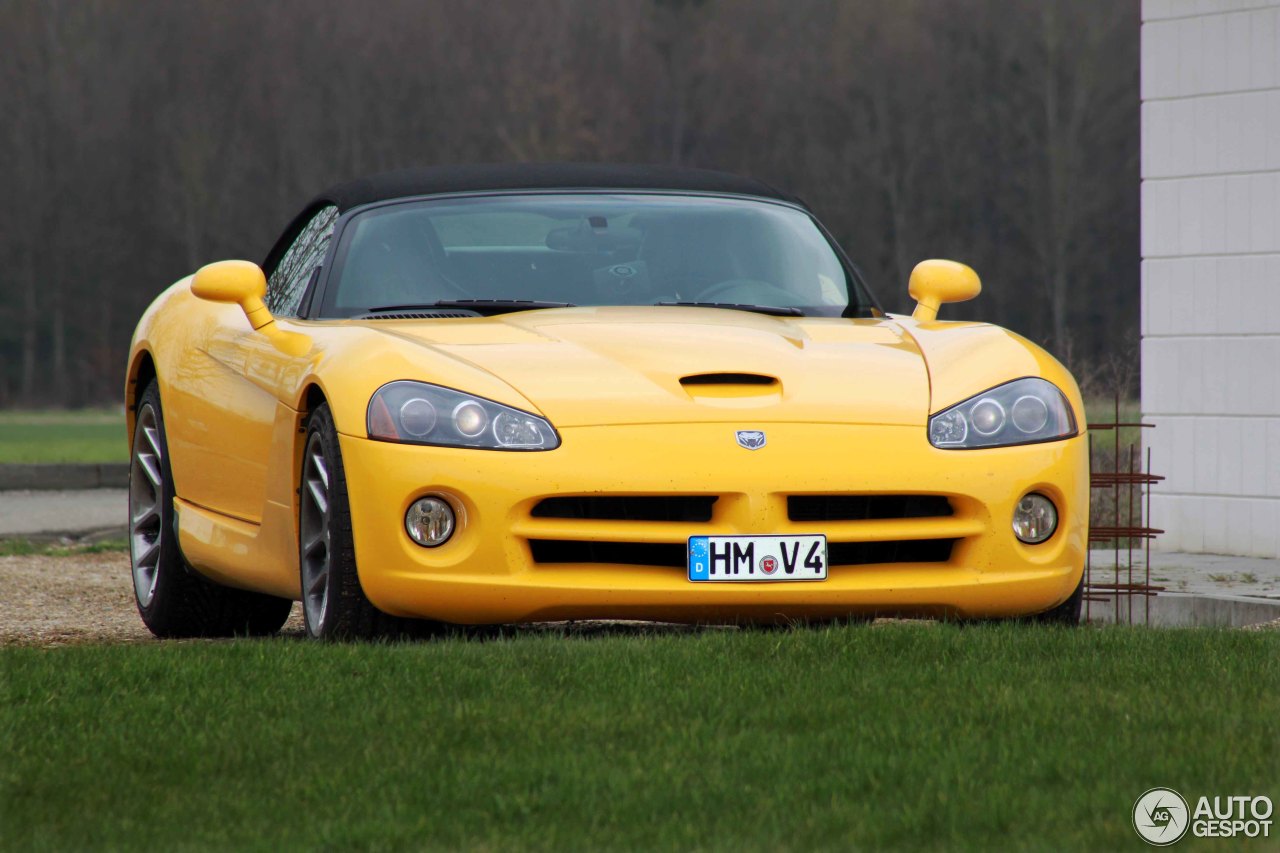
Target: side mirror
point(241, 282)
point(934, 282)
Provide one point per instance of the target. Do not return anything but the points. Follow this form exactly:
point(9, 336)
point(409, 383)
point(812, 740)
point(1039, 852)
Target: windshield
point(590, 249)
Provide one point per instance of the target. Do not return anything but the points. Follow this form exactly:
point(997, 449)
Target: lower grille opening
point(622, 553)
point(865, 507)
point(675, 555)
point(628, 508)
point(905, 551)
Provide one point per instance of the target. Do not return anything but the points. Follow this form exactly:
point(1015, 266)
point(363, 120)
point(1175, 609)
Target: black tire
point(173, 599)
point(334, 605)
point(1067, 613)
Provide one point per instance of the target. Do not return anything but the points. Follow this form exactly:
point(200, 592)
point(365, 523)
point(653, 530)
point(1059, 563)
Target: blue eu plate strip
point(699, 558)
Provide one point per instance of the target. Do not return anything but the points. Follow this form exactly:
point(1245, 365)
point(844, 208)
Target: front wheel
point(1067, 613)
point(334, 605)
point(173, 600)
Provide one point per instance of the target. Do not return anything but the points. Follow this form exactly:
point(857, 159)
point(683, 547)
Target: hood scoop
point(640, 365)
point(698, 379)
point(732, 389)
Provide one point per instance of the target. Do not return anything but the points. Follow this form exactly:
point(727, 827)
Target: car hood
point(615, 365)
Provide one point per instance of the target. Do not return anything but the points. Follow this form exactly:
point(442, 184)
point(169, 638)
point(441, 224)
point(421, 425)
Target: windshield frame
point(862, 302)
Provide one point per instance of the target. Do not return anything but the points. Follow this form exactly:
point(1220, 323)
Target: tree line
point(143, 138)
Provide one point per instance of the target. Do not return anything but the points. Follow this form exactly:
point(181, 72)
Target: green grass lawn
point(87, 435)
point(98, 435)
point(21, 547)
point(901, 735)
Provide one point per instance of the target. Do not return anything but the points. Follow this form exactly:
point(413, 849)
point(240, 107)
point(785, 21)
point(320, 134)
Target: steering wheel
point(760, 292)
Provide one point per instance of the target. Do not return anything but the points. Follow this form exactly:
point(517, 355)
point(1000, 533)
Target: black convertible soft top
point(539, 176)
point(519, 176)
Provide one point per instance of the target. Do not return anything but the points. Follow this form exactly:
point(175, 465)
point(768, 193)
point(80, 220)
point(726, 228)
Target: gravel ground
point(83, 598)
point(87, 598)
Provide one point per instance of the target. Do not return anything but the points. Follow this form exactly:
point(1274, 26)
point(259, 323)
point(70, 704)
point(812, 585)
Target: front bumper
point(487, 573)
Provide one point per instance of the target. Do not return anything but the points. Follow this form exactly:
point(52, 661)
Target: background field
point(85, 435)
point(1003, 133)
point(900, 735)
point(98, 434)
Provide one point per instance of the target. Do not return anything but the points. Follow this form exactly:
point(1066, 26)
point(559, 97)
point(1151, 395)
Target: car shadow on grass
point(592, 629)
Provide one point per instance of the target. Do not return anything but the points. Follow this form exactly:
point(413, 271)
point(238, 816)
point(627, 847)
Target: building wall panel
point(1211, 271)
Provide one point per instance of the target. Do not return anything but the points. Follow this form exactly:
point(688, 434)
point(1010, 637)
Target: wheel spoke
point(146, 515)
point(152, 436)
point(317, 463)
point(150, 465)
point(146, 509)
point(319, 494)
point(315, 543)
point(313, 535)
point(147, 558)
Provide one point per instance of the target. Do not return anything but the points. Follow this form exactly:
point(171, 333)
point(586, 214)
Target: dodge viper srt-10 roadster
point(529, 393)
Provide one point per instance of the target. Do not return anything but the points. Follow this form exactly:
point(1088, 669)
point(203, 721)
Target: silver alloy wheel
point(146, 516)
point(313, 529)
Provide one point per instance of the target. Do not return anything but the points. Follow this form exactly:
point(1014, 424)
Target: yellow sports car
point(524, 393)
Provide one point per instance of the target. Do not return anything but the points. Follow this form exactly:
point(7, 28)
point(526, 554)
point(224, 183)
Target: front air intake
point(692, 508)
point(675, 555)
point(838, 507)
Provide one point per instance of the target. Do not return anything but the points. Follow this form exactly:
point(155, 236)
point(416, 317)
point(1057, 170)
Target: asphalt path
point(75, 513)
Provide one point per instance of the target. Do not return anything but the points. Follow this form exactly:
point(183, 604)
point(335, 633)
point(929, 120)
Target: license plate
point(757, 558)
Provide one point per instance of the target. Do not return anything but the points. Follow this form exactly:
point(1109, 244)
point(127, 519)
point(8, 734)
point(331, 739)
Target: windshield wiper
point(507, 306)
point(772, 310)
point(480, 306)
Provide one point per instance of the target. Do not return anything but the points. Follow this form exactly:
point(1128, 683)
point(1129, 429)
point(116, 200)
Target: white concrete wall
point(1211, 271)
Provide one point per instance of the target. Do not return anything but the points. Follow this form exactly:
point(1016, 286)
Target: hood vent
point(438, 314)
point(727, 379)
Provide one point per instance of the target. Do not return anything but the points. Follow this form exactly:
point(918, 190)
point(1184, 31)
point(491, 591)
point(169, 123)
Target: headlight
point(418, 413)
point(1019, 412)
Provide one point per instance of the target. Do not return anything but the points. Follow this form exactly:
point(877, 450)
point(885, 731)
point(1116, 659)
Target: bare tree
point(144, 138)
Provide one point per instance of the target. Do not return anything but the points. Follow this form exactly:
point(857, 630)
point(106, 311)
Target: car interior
point(416, 255)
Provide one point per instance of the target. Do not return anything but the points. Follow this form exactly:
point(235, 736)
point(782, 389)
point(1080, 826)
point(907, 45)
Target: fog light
point(1034, 519)
point(429, 521)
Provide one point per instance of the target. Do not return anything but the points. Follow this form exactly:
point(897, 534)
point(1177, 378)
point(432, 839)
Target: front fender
point(349, 362)
point(964, 359)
